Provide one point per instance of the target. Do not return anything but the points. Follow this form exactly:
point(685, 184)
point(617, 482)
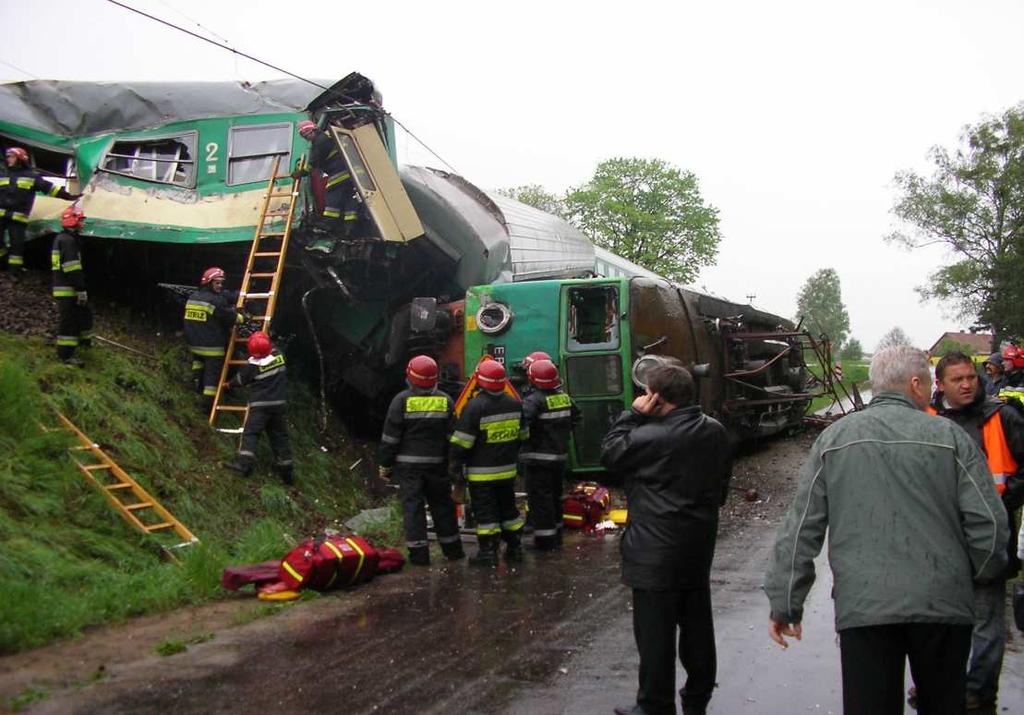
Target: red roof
point(981, 343)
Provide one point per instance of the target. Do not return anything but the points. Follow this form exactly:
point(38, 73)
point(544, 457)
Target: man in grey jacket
point(913, 518)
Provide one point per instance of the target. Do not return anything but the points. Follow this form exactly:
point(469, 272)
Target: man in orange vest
point(999, 431)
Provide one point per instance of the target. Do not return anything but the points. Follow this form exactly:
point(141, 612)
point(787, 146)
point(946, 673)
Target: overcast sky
point(795, 116)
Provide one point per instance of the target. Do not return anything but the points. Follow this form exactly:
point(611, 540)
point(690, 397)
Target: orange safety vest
point(1000, 461)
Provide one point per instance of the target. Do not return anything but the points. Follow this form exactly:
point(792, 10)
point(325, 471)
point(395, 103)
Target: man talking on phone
point(676, 464)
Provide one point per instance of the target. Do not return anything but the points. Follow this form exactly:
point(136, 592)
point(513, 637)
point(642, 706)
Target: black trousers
point(206, 373)
point(272, 421)
point(494, 506)
point(544, 495)
point(873, 660)
point(421, 486)
point(658, 616)
point(12, 233)
point(74, 327)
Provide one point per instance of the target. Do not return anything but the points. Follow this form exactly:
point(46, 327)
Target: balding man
point(913, 519)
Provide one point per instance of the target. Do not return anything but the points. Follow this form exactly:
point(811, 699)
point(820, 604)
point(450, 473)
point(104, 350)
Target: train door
point(594, 343)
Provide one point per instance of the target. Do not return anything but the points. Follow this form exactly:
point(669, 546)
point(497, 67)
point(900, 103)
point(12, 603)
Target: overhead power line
point(282, 70)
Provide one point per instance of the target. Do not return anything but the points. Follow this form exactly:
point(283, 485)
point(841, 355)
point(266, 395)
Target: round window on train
point(642, 365)
point(493, 318)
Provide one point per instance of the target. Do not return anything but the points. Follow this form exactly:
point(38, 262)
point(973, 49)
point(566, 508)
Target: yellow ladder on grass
point(138, 507)
point(259, 290)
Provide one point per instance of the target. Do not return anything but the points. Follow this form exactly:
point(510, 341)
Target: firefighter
point(339, 189)
point(264, 374)
point(548, 415)
point(209, 316)
point(484, 448)
point(74, 325)
point(413, 444)
point(18, 189)
point(1012, 391)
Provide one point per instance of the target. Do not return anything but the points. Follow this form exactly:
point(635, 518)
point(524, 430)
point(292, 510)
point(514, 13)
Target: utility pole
point(750, 298)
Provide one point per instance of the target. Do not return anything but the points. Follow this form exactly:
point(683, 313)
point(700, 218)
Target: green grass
point(68, 561)
point(854, 371)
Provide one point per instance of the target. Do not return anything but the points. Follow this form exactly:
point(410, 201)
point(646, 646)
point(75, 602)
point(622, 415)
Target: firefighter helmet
point(307, 129)
point(490, 374)
point(1013, 356)
point(534, 357)
point(543, 374)
point(258, 344)
point(18, 153)
point(211, 274)
point(73, 217)
point(422, 371)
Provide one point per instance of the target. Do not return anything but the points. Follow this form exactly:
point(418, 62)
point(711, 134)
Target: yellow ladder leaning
point(138, 507)
point(259, 291)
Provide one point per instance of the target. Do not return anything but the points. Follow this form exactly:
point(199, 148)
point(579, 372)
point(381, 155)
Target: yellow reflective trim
point(501, 432)
point(278, 361)
point(461, 442)
point(362, 558)
point(573, 517)
point(195, 314)
point(26, 183)
point(487, 532)
point(64, 292)
point(341, 557)
point(329, 213)
point(295, 574)
point(558, 402)
point(54, 191)
point(492, 477)
point(426, 404)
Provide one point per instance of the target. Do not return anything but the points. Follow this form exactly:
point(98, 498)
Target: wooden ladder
point(138, 507)
point(259, 291)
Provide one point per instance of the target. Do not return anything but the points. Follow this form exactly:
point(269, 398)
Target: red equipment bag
point(585, 506)
point(332, 562)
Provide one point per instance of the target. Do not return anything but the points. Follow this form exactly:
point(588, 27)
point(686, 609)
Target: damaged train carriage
point(173, 176)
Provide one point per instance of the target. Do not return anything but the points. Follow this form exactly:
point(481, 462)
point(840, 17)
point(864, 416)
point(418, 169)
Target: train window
point(595, 418)
point(355, 163)
point(57, 167)
point(167, 160)
point(594, 375)
point(593, 322)
point(252, 149)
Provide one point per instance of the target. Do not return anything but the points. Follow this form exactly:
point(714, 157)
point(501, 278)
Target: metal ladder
point(138, 507)
point(259, 290)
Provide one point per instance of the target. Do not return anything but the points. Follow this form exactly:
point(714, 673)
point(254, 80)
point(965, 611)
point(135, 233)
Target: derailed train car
point(173, 175)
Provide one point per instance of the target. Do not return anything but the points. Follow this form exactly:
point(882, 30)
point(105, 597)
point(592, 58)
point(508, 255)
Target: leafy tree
point(852, 350)
point(893, 338)
point(536, 196)
point(974, 204)
point(819, 304)
point(648, 212)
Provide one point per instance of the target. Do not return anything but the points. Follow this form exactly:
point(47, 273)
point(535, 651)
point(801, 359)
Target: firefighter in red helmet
point(548, 415)
point(18, 189)
point(1012, 391)
point(340, 213)
point(484, 448)
point(74, 327)
point(265, 376)
point(413, 445)
point(209, 316)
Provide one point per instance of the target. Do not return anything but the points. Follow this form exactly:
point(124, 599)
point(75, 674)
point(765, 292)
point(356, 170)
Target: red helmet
point(1013, 355)
point(18, 153)
point(211, 274)
point(306, 127)
point(534, 357)
point(258, 344)
point(490, 374)
point(543, 374)
point(73, 217)
point(421, 371)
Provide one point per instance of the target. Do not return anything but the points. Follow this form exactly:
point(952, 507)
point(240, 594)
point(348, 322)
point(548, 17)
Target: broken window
point(593, 321)
point(167, 160)
point(252, 150)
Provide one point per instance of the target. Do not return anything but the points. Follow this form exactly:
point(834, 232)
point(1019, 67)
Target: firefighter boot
point(240, 464)
point(453, 550)
point(419, 555)
point(286, 473)
point(487, 553)
point(513, 548)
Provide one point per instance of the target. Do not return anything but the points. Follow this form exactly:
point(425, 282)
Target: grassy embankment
point(68, 561)
point(854, 371)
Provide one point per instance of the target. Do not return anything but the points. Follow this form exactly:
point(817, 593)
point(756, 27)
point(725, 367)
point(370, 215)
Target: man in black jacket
point(210, 315)
point(74, 327)
point(676, 464)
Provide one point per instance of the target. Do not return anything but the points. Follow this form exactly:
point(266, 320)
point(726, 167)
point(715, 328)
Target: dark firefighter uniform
point(18, 189)
point(267, 381)
point(74, 325)
point(339, 190)
point(548, 415)
point(414, 442)
point(486, 444)
point(209, 317)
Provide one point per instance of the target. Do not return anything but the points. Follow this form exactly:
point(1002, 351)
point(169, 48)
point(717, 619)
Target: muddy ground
point(552, 635)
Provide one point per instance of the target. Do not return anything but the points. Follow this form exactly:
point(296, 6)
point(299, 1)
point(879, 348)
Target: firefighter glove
point(83, 297)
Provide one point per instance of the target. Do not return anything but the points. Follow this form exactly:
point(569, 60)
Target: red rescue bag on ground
point(327, 563)
point(585, 506)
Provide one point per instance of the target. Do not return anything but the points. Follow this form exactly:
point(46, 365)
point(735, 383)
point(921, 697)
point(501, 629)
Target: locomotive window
point(594, 375)
point(251, 152)
point(169, 160)
point(355, 163)
point(595, 419)
point(593, 322)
